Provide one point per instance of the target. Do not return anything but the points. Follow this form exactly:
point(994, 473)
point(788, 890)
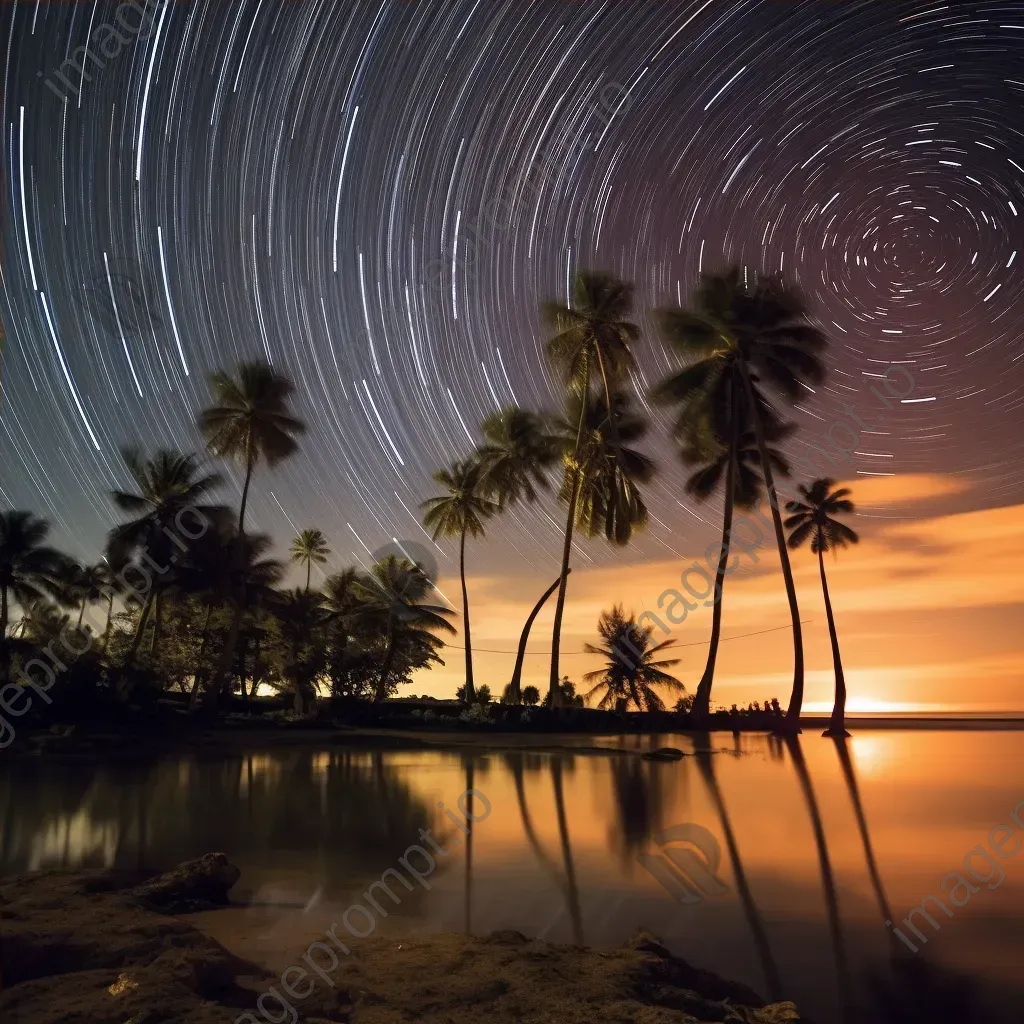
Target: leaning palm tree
point(737, 337)
point(631, 671)
point(251, 422)
point(308, 547)
point(599, 485)
point(30, 570)
point(460, 512)
point(593, 342)
point(166, 486)
point(814, 519)
point(90, 583)
point(737, 468)
point(391, 599)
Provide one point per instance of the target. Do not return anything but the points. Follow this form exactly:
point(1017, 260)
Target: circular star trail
point(376, 196)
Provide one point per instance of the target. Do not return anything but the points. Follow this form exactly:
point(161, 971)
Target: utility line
point(698, 643)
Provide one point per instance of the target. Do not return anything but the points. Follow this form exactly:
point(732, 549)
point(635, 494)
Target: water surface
point(570, 851)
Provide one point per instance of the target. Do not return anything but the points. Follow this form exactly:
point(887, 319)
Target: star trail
point(376, 196)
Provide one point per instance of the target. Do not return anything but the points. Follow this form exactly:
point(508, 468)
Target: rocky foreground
point(100, 948)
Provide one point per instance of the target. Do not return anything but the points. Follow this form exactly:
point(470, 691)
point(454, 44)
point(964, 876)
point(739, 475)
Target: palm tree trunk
point(702, 700)
point(193, 700)
point(143, 619)
point(227, 655)
point(309, 570)
point(515, 693)
point(382, 682)
point(110, 616)
point(470, 688)
point(158, 607)
point(556, 635)
point(4, 615)
point(81, 614)
point(796, 699)
point(837, 725)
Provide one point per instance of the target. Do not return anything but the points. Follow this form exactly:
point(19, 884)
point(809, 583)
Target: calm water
point(792, 902)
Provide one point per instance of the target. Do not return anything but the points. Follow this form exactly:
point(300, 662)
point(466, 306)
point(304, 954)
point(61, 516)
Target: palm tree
point(391, 599)
point(593, 340)
point(308, 547)
point(737, 337)
point(531, 696)
point(599, 485)
point(250, 421)
point(631, 672)
point(460, 512)
point(166, 486)
point(89, 583)
point(740, 465)
point(519, 447)
point(813, 518)
point(30, 570)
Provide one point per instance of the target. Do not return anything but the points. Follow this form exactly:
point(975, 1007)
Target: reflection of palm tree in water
point(571, 889)
point(846, 762)
point(566, 881)
point(827, 876)
point(770, 968)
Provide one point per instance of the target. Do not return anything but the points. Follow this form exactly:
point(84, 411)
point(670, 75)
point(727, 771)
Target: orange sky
point(928, 608)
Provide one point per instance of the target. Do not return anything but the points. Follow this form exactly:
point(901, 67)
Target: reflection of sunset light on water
point(72, 841)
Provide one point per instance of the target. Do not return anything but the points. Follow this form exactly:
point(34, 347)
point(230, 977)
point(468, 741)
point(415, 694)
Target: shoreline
point(118, 951)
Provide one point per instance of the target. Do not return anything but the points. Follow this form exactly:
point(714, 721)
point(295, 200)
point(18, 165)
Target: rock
point(195, 885)
point(664, 754)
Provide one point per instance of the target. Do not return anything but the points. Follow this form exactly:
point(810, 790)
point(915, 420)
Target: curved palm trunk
point(470, 688)
point(158, 607)
point(309, 571)
point(862, 825)
point(796, 699)
point(516, 763)
point(517, 673)
point(764, 950)
point(837, 724)
point(389, 657)
point(571, 889)
point(702, 700)
point(81, 614)
point(110, 616)
point(556, 634)
point(827, 876)
point(140, 628)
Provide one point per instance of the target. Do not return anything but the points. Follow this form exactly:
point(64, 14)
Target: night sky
point(376, 196)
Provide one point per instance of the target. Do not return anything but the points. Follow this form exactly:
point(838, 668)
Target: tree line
point(214, 619)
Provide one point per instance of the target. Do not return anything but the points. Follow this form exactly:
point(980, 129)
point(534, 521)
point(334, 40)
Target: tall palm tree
point(30, 570)
point(165, 486)
point(593, 341)
point(738, 336)
point(599, 484)
point(460, 512)
point(251, 422)
point(814, 519)
point(631, 672)
point(308, 547)
point(391, 599)
point(737, 468)
point(519, 447)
